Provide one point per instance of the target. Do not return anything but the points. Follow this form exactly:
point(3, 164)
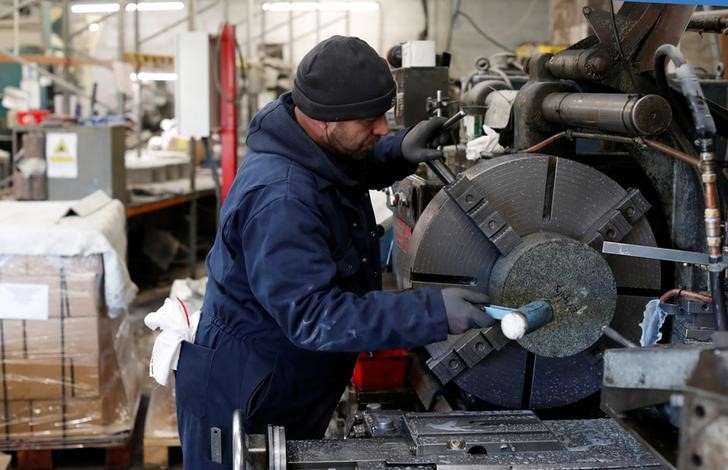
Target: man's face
point(353, 139)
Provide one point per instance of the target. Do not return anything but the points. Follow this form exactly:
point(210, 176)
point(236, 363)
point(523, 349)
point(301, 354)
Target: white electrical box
point(195, 95)
point(418, 54)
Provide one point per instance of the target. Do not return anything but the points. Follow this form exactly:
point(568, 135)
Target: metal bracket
point(488, 220)
point(471, 348)
point(618, 221)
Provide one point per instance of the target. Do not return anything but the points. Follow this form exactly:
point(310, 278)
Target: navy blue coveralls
point(293, 291)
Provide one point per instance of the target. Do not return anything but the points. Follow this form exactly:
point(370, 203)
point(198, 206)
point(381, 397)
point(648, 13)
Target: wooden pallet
point(118, 449)
point(117, 456)
point(160, 428)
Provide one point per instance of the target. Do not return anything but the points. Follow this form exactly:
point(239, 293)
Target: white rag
point(487, 143)
point(177, 326)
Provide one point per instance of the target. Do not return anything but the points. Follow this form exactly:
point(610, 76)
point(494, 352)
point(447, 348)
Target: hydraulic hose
point(705, 131)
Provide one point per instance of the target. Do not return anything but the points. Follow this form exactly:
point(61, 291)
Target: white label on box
point(23, 301)
point(62, 155)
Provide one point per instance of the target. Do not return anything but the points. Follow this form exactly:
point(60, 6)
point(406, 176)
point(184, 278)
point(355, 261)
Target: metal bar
point(616, 336)
point(328, 23)
point(248, 17)
point(99, 21)
point(191, 17)
point(318, 24)
point(137, 68)
point(66, 30)
point(442, 171)
point(651, 252)
point(11, 10)
point(16, 27)
point(55, 78)
point(249, 29)
point(290, 39)
point(709, 13)
point(178, 22)
point(264, 31)
point(192, 222)
point(121, 25)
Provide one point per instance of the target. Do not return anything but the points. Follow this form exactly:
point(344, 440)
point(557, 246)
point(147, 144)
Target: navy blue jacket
point(293, 290)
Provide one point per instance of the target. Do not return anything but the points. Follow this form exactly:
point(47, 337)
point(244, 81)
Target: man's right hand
point(419, 142)
point(462, 315)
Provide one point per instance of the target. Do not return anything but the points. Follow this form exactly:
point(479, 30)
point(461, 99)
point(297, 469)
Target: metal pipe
point(709, 14)
point(121, 25)
point(16, 27)
point(615, 138)
point(667, 150)
point(615, 112)
point(713, 24)
point(545, 143)
point(684, 293)
point(717, 288)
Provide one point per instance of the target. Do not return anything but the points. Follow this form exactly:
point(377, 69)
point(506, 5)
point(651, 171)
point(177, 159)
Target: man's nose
point(380, 126)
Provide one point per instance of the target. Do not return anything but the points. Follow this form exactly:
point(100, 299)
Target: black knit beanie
point(341, 79)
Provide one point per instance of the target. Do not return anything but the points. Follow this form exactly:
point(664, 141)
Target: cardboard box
point(54, 359)
point(110, 412)
point(77, 280)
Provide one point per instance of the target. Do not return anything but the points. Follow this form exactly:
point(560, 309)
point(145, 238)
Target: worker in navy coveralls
point(294, 283)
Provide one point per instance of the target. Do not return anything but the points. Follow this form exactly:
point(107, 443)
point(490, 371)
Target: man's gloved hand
point(462, 315)
point(417, 145)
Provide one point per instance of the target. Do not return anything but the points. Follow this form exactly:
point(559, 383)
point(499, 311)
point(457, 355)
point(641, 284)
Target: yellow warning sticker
point(62, 154)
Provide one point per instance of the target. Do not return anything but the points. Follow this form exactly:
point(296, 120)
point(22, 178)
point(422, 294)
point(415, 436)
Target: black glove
point(417, 145)
point(462, 315)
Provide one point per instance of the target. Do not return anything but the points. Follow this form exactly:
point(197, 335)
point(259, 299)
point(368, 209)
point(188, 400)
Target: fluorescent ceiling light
point(154, 76)
point(321, 6)
point(114, 7)
point(156, 6)
point(95, 8)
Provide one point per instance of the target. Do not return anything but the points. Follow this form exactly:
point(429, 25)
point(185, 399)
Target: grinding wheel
point(553, 205)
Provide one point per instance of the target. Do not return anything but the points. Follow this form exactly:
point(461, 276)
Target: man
point(293, 290)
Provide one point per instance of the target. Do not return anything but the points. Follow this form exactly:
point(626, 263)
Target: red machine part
point(381, 370)
point(228, 109)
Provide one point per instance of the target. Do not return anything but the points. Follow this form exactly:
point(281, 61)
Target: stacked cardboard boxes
point(68, 375)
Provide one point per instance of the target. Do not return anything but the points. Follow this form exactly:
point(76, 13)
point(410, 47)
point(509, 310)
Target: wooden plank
point(156, 205)
point(5, 461)
point(119, 458)
point(160, 427)
point(35, 459)
point(156, 456)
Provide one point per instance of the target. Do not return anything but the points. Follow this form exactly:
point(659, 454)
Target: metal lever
point(651, 252)
point(439, 167)
point(516, 323)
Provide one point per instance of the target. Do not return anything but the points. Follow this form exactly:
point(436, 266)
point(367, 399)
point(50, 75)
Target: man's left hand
point(417, 145)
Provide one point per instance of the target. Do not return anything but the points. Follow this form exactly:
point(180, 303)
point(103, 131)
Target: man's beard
point(339, 147)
